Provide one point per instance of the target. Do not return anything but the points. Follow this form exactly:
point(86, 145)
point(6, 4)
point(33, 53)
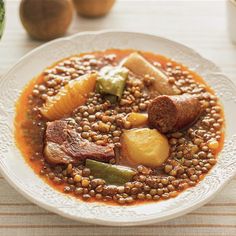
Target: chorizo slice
point(173, 113)
point(141, 67)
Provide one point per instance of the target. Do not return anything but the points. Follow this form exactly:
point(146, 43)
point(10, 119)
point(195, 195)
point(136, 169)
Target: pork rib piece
point(64, 145)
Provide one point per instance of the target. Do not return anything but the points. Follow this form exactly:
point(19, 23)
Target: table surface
point(198, 24)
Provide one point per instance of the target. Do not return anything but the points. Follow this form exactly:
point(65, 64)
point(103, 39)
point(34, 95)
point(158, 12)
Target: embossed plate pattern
point(22, 177)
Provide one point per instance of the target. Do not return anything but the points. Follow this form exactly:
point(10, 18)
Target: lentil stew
point(119, 126)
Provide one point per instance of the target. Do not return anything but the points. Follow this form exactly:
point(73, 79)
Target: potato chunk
point(71, 96)
point(145, 146)
point(137, 119)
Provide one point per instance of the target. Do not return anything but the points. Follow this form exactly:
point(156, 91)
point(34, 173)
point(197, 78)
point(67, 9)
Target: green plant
point(2, 15)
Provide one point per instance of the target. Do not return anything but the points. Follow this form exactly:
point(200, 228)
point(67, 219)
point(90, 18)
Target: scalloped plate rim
point(147, 220)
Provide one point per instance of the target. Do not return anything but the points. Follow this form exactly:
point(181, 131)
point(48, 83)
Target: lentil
point(192, 151)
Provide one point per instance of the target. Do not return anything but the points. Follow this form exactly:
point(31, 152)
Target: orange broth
point(22, 106)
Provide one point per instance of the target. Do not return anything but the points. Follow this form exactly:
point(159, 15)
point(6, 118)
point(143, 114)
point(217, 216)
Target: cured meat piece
point(140, 66)
point(56, 131)
point(173, 113)
point(64, 145)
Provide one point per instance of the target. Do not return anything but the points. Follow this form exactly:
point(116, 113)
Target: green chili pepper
point(112, 81)
point(112, 174)
point(111, 98)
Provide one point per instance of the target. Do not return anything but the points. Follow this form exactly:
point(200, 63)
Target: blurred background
point(200, 24)
point(207, 26)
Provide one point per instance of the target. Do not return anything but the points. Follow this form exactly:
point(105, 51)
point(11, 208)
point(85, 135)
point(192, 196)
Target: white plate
point(21, 176)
